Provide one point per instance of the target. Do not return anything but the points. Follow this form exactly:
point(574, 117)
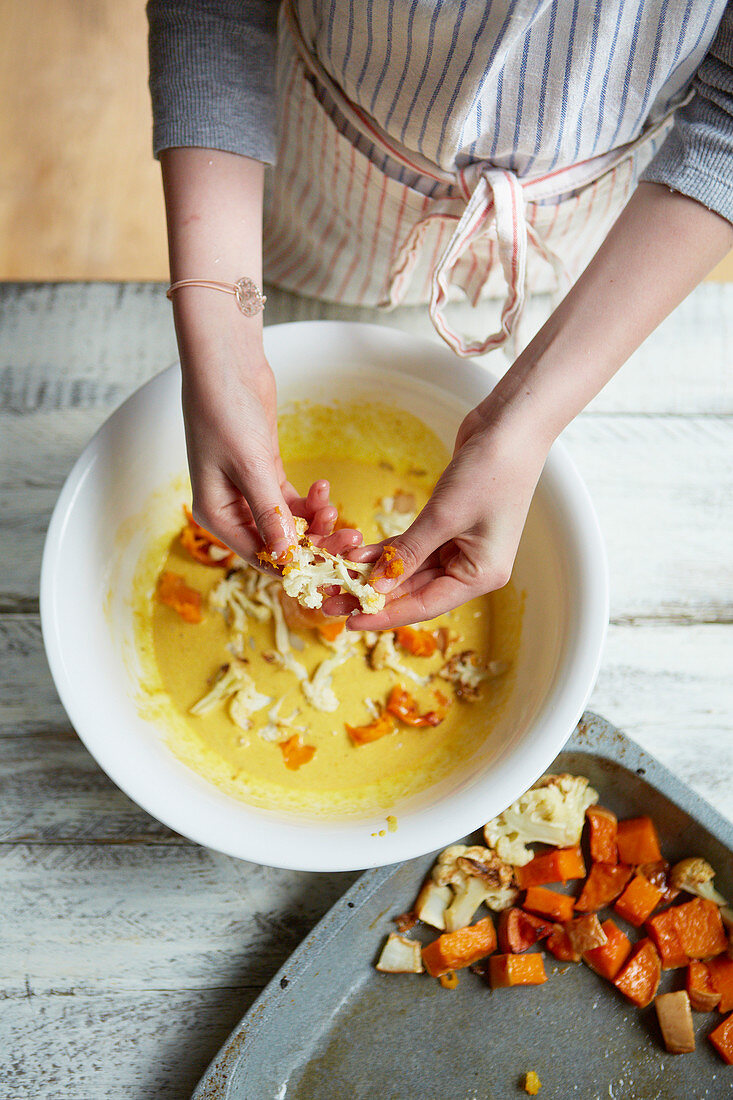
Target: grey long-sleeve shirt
point(436, 80)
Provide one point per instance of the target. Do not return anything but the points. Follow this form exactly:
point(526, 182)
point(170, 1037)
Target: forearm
point(214, 212)
point(661, 247)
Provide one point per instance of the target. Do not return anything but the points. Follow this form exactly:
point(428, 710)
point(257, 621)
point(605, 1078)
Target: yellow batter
point(368, 452)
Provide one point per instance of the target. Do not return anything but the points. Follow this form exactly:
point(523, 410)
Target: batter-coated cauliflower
point(310, 568)
point(234, 684)
point(552, 811)
point(384, 655)
point(396, 514)
point(467, 673)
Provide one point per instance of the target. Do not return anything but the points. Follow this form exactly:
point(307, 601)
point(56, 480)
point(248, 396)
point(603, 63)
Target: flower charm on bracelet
point(250, 298)
point(248, 295)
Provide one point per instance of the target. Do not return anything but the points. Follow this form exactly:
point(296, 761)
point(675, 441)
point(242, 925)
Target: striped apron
point(341, 228)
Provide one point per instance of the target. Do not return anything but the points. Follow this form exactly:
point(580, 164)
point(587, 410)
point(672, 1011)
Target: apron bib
point(340, 229)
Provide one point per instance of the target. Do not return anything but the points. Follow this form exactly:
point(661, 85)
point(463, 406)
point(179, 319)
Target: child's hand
point(464, 541)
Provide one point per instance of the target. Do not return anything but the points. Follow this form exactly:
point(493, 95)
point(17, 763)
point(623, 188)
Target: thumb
point(263, 504)
point(260, 486)
point(405, 554)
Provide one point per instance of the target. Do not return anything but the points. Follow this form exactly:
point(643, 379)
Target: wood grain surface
point(127, 952)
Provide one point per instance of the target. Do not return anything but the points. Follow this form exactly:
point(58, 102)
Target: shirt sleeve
point(212, 75)
point(697, 157)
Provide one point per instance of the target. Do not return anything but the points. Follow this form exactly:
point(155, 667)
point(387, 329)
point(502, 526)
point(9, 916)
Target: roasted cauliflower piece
point(695, 876)
point(552, 811)
point(240, 594)
point(585, 933)
point(475, 875)
point(319, 689)
point(467, 673)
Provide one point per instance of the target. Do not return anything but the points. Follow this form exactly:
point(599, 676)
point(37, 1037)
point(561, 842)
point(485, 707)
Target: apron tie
point(486, 208)
point(494, 202)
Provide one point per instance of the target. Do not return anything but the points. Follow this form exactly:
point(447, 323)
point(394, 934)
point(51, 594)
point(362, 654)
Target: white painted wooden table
point(128, 953)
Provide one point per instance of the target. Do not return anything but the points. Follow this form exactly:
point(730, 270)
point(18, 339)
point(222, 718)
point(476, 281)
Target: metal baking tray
point(330, 1027)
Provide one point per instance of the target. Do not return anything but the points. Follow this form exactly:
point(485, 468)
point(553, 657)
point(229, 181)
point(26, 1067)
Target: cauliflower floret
point(475, 875)
point(240, 595)
point(395, 514)
point(431, 904)
point(278, 724)
point(384, 655)
point(466, 673)
point(552, 811)
point(246, 702)
point(310, 568)
point(235, 684)
point(319, 689)
point(283, 646)
point(695, 876)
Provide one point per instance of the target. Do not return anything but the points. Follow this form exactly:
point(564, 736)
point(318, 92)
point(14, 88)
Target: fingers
point(345, 541)
point(438, 596)
point(315, 507)
point(344, 604)
point(369, 553)
point(240, 507)
point(339, 605)
point(231, 521)
point(271, 514)
point(405, 554)
point(323, 521)
point(318, 495)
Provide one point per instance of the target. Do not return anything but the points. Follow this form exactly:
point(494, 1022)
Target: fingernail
point(279, 549)
point(389, 569)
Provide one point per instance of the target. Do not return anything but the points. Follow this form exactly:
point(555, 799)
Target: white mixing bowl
point(561, 566)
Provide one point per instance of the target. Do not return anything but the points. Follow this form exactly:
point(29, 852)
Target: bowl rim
point(569, 698)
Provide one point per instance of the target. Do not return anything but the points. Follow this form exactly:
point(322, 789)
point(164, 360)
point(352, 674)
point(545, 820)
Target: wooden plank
point(668, 686)
point(55, 792)
point(724, 270)
point(147, 1045)
point(72, 344)
point(110, 917)
point(28, 699)
point(661, 485)
point(670, 689)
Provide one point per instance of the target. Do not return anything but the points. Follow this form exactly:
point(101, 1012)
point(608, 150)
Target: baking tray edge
point(593, 734)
